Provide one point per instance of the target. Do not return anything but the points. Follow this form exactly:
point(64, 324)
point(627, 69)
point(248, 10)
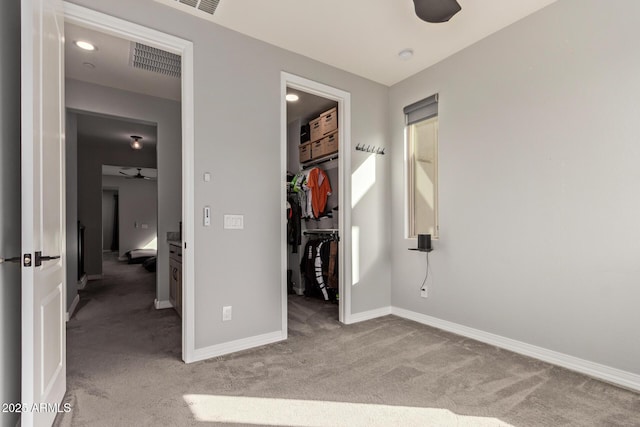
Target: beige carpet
point(124, 369)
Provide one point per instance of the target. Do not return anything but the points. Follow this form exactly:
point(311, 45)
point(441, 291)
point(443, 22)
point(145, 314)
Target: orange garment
point(318, 183)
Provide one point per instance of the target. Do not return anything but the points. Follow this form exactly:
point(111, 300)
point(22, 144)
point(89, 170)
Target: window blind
point(421, 110)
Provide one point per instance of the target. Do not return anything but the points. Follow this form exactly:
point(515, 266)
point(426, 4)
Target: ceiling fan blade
point(125, 174)
point(436, 11)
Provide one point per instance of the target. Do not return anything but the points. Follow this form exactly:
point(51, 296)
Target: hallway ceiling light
point(136, 143)
point(292, 97)
point(84, 45)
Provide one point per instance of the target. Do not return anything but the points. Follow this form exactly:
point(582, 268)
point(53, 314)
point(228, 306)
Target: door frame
point(82, 16)
point(288, 80)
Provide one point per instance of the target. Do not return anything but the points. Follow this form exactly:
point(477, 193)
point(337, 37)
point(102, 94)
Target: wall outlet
point(423, 292)
point(226, 313)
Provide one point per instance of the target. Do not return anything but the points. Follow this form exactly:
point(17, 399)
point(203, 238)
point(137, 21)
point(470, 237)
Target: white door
point(43, 220)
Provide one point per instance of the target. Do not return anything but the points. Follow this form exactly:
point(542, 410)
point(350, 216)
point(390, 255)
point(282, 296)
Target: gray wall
point(166, 114)
point(138, 204)
point(237, 139)
point(539, 183)
point(71, 184)
point(10, 207)
point(92, 154)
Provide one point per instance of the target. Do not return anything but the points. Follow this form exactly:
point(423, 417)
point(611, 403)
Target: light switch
point(234, 222)
point(145, 226)
point(207, 216)
point(207, 177)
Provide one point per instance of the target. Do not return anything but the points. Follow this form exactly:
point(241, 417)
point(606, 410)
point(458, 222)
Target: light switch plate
point(226, 313)
point(207, 216)
point(234, 222)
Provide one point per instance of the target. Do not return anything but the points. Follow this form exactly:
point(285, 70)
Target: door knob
point(40, 258)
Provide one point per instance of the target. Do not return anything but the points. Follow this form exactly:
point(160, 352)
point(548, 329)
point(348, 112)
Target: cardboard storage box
point(315, 129)
point(329, 121)
point(305, 152)
point(317, 149)
point(330, 144)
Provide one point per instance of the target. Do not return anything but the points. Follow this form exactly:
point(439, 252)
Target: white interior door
point(43, 220)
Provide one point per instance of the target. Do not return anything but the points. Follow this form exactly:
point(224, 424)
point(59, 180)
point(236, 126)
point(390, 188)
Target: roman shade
point(421, 110)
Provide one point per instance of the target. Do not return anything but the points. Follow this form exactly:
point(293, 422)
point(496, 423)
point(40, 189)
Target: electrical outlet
point(423, 292)
point(226, 313)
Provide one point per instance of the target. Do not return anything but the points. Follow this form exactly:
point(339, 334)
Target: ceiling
point(364, 37)
point(110, 65)
point(111, 129)
point(307, 106)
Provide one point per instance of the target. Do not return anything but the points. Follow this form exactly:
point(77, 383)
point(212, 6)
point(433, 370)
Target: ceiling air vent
point(208, 6)
point(155, 60)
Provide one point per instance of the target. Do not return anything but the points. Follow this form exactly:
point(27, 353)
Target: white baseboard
point(94, 277)
point(237, 345)
point(74, 305)
point(159, 305)
point(82, 282)
point(606, 373)
point(367, 315)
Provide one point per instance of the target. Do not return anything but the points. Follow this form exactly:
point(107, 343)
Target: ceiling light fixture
point(405, 54)
point(292, 97)
point(85, 45)
point(136, 144)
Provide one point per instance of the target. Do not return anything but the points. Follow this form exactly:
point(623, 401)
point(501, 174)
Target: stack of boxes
point(323, 140)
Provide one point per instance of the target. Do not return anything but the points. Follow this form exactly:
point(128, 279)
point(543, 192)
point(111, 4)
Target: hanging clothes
point(294, 227)
point(318, 183)
point(319, 273)
point(299, 187)
point(319, 267)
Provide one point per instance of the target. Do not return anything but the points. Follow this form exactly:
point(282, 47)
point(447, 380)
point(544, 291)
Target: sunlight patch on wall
point(363, 179)
point(153, 244)
point(307, 413)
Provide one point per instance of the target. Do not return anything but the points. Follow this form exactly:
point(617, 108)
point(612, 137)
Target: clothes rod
point(320, 161)
point(329, 231)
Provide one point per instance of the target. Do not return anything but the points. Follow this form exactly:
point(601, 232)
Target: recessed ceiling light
point(84, 45)
point(292, 97)
point(405, 54)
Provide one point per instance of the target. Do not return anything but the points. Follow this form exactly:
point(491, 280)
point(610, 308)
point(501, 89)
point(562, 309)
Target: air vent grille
point(208, 6)
point(156, 60)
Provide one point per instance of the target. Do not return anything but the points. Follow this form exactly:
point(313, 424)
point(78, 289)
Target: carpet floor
point(124, 369)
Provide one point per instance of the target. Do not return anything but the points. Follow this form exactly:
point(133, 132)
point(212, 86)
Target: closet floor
point(309, 315)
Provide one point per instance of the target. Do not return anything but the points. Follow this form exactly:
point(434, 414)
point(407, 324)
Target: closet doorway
point(316, 254)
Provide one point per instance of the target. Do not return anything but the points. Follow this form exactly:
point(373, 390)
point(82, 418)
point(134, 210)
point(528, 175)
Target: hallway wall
point(166, 114)
point(138, 206)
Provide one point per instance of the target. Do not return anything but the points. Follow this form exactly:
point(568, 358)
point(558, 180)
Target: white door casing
point(343, 98)
point(43, 211)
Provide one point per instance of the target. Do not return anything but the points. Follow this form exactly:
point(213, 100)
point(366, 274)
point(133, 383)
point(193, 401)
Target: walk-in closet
point(312, 185)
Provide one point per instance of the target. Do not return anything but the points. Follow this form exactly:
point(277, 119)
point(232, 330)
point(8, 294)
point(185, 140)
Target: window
point(421, 137)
